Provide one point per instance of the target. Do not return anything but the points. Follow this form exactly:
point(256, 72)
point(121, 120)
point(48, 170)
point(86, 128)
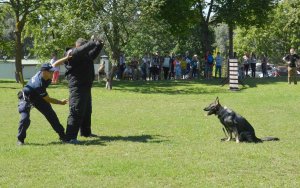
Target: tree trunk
point(230, 32)
point(205, 37)
point(18, 60)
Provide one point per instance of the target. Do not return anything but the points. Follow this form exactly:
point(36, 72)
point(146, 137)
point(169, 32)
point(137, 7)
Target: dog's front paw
point(223, 139)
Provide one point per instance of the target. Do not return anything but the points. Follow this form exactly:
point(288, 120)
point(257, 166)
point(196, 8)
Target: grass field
point(155, 134)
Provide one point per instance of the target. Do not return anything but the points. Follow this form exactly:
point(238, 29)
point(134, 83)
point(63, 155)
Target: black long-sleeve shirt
point(80, 68)
point(292, 59)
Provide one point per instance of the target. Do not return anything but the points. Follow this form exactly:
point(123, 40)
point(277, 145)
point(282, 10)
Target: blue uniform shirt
point(36, 86)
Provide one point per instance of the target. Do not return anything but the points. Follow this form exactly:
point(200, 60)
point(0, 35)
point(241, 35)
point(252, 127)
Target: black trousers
point(80, 104)
point(46, 109)
point(166, 72)
point(253, 68)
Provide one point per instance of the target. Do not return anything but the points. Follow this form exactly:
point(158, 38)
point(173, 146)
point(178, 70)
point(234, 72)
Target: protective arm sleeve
point(84, 49)
point(96, 50)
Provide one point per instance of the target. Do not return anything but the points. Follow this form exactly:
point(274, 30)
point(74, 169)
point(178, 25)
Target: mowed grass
point(156, 134)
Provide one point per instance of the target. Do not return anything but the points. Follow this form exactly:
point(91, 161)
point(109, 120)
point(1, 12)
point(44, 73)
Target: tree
point(54, 29)
point(6, 32)
point(113, 20)
point(276, 37)
point(116, 19)
point(234, 13)
point(21, 9)
point(244, 13)
point(222, 40)
point(188, 22)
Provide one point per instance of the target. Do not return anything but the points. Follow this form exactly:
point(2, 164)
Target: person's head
point(53, 54)
point(292, 51)
point(47, 71)
point(195, 57)
point(187, 53)
point(80, 42)
point(218, 53)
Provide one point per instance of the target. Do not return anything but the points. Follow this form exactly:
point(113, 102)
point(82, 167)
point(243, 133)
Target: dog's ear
point(217, 100)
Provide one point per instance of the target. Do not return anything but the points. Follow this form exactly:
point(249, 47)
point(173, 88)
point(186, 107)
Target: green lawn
point(155, 134)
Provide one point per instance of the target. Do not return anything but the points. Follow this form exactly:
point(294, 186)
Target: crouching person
point(35, 94)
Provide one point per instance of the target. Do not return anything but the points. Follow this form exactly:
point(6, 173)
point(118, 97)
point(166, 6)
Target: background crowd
point(168, 66)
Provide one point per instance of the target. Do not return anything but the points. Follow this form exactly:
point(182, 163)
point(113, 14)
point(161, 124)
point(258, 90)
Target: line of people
point(249, 62)
point(170, 66)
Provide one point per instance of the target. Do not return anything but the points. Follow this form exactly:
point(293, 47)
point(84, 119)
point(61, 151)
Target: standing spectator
point(183, 64)
point(202, 67)
point(80, 74)
point(219, 61)
point(291, 60)
point(194, 65)
point(205, 65)
point(209, 65)
point(172, 67)
point(55, 77)
point(188, 60)
point(166, 65)
point(160, 62)
point(264, 62)
point(177, 67)
point(121, 66)
point(35, 94)
point(246, 60)
point(134, 65)
point(156, 66)
point(151, 67)
point(253, 64)
point(144, 67)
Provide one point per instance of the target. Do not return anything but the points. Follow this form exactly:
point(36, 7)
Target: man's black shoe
point(90, 135)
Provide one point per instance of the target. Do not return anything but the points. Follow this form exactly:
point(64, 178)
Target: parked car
point(258, 73)
point(281, 71)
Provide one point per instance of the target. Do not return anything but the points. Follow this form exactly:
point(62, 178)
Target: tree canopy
point(137, 27)
point(274, 38)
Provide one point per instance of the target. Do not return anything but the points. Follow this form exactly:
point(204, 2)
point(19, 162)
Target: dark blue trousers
point(80, 103)
point(46, 109)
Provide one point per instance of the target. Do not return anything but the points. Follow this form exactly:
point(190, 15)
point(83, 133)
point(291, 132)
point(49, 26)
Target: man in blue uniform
point(35, 94)
point(80, 75)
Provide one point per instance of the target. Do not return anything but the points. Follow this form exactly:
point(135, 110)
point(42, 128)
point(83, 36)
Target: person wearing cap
point(35, 94)
point(80, 75)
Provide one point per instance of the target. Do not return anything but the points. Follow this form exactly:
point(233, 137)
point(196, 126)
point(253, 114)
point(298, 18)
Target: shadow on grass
point(7, 81)
point(102, 140)
point(171, 87)
point(9, 86)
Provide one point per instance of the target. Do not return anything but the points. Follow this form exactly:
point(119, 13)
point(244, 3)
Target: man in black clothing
point(80, 74)
point(291, 59)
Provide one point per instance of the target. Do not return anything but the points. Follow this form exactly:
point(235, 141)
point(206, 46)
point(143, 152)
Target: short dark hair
point(81, 41)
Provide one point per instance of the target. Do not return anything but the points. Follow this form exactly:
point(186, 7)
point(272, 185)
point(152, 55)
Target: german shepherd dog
point(235, 124)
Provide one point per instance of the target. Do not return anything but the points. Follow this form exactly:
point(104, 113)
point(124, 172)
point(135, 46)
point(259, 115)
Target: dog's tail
point(270, 138)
